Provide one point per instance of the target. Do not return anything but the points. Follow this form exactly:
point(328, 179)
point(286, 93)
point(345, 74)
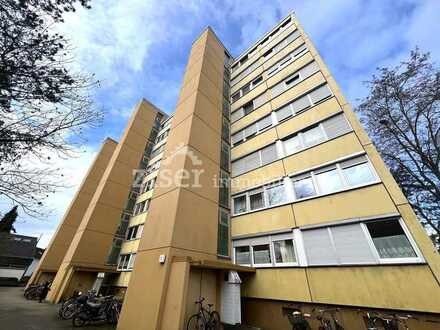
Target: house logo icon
point(182, 149)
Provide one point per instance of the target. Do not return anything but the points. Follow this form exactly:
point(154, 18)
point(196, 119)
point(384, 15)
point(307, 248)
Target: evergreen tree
point(7, 222)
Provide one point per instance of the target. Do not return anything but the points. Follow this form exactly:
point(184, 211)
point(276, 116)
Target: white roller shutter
point(318, 247)
point(336, 126)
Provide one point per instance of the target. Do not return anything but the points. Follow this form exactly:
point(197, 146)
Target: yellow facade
point(177, 254)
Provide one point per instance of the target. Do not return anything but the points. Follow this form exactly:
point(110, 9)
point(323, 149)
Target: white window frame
point(419, 257)
point(257, 132)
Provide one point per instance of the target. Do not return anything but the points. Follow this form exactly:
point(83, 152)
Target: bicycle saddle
point(93, 305)
point(210, 305)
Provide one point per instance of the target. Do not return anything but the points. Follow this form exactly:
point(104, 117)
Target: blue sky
point(139, 48)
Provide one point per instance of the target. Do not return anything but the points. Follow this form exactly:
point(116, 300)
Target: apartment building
point(263, 171)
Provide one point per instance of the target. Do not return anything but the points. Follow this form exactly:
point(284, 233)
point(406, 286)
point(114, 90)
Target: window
point(261, 254)
point(313, 136)
point(268, 195)
point(275, 194)
point(239, 204)
point(292, 145)
point(268, 154)
point(224, 156)
point(252, 130)
point(320, 94)
point(284, 252)
point(256, 159)
point(347, 244)
point(248, 108)
point(329, 181)
point(357, 171)
point(246, 88)
point(131, 262)
point(134, 232)
point(295, 78)
point(269, 250)
point(304, 188)
point(242, 255)
point(256, 199)
point(223, 233)
point(225, 130)
point(224, 189)
point(390, 240)
point(287, 60)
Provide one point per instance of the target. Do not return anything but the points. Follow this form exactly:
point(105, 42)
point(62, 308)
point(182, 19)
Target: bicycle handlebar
point(201, 299)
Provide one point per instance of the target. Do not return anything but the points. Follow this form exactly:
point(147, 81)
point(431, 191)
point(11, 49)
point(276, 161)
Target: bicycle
point(387, 321)
point(204, 319)
point(326, 324)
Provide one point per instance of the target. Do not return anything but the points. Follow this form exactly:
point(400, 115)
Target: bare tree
point(402, 114)
point(44, 104)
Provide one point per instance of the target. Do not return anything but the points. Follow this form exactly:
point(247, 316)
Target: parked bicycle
point(100, 309)
point(33, 292)
point(71, 305)
point(204, 319)
point(386, 321)
point(326, 323)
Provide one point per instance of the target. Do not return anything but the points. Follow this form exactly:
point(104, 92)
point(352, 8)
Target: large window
point(266, 196)
point(350, 244)
point(266, 251)
point(254, 160)
point(350, 173)
point(303, 102)
point(225, 156)
point(141, 207)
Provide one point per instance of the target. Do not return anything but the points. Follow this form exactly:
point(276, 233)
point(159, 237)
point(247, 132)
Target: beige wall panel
point(65, 232)
point(195, 228)
point(158, 230)
point(406, 288)
point(278, 283)
point(92, 250)
point(257, 177)
point(145, 196)
point(291, 68)
point(150, 278)
point(325, 152)
point(123, 279)
point(130, 246)
point(363, 202)
point(211, 90)
point(309, 117)
point(191, 170)
point(203, 108)
point(298, 90)
point(205, 140)
point(176, 297)
point(138, 219)
point(103, 217)
point(254, 143)
point(251, 118)
point(263, 221)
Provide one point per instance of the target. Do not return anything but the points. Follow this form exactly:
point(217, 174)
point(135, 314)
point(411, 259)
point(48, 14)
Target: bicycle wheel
point(214, 322)
point(195, 322)
point(68, 312)
point(80, 319)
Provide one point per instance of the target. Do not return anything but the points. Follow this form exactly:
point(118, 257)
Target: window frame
point(386, 261)
point(269, 240)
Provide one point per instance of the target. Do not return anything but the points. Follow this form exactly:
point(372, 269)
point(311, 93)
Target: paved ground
point(17, 313)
